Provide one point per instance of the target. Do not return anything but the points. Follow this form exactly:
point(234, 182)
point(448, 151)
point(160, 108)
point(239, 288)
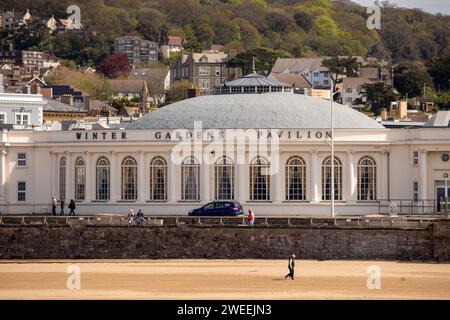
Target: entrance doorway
point(440, 194)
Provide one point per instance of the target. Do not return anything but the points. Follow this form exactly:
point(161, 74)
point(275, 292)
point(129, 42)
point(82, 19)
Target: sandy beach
point(222, 279)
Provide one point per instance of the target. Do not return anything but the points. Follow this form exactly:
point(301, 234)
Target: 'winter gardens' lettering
point(92, 136)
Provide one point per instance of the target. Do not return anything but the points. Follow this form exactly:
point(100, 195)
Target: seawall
point(160, 242)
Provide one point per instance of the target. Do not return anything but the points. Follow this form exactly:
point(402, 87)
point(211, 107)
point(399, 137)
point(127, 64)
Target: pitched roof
point(298, 65)
point(295, 80)
point(149, 74)
point(211, 56)
point(101, 105)
point(369, 73)
point(440, 119)
point(354, 82)
point(175, 41)
point(127, 85)
point(52, 105)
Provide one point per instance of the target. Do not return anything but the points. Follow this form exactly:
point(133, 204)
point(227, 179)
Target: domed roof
point(253, 111)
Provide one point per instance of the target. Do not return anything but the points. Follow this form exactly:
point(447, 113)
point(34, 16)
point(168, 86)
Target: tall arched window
point(129, 179)
point(158, 179)
point(102, 179)
point(326, 179)
point(367, 179)
point(224, 179)
point(190, 179)
point(80, 179)
point(62, 178)
point(260, 179)
point(296, 179)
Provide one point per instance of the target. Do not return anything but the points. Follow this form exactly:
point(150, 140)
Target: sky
point(432, 6)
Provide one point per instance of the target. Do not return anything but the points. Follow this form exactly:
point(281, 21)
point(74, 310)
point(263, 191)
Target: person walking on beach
point(291, 266)
point(72, 207)
point(54, 204)
point(63, 203)
point(250, 218)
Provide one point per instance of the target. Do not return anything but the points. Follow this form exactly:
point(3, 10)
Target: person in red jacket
point(250, 218)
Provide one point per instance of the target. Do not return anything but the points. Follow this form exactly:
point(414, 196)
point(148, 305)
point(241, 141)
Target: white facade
point(21, 109)
point(407, 163)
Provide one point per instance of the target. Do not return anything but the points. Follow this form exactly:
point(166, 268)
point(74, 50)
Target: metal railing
point(407, 206)
point(182, 221)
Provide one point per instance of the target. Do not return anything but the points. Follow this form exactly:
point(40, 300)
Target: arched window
point(295, 179)
point(190, 179)
point(80, 179)
point(224, 179)
point(158, 179)
point(260, 179)
point(129, 179)
point(326, 179)
point(102, 179)
point(367, 179)
point(62, 178)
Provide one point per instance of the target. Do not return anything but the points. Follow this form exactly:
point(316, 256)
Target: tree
point(114, 65)
point(265, 58)
point(410, 79)
point(442, 101)
point(304, 21)
point(377, 96)
point(95, 85)
point(339, 66)
point(178, 91)
point(439, 69)
point(122, 102)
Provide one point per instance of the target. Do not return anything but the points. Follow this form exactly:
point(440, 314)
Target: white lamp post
point(446, 192)
point(333, 215)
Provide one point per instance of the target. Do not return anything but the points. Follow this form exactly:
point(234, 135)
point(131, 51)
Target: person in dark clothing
point(291, 266)
point(140, 217)
point(72, 207)
point(54, 204)
point(63, 203)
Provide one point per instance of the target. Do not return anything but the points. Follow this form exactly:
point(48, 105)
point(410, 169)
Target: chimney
point(384, 115)
point(47, 92)
point(403, 109)
point(192, 93)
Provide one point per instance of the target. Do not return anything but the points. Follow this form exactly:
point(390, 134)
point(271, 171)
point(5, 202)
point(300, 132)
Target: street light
point(332, 148)
point(446, 192)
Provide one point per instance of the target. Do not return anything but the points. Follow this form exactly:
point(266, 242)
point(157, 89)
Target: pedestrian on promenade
point(131, 216)
point(72, 207)
point(250, 218)
point(54, 204)
point(291, 267)
point(63, 203)
point(140, 217)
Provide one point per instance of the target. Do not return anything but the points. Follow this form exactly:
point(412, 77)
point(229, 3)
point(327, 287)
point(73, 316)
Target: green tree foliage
point(122, 102)
point(94, 84)
point(304, 21)
point(442, 101)
point(178, 91)
point(302, 28)
point(340, 66)
point(410, 79)
point(376, 96)
point(439, 69)
point(264, 60)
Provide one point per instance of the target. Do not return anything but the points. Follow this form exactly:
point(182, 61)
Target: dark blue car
point(218, 208)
